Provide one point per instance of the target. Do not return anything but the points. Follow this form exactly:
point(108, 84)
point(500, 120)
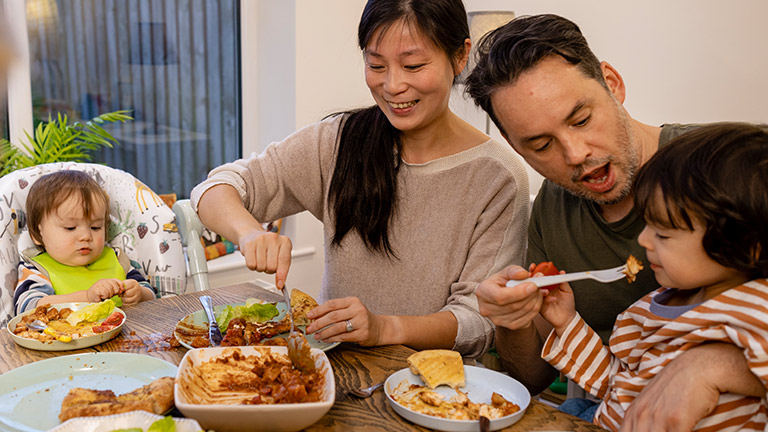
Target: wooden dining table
point(149, 326)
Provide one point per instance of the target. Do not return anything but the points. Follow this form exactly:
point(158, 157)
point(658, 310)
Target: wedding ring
point(348, 323)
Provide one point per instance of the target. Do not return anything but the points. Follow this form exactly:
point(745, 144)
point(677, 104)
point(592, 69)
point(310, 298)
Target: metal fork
point(604, 276)
point(365, 392)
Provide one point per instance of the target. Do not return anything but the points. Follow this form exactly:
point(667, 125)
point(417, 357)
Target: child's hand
point(559, 307)
point(131, 292)
point(104, 289)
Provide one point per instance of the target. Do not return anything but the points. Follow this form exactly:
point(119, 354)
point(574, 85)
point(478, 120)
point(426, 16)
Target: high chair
point(141, 225)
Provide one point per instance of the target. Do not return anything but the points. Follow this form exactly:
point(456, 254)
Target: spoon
point(43, 327)
point(365, 392)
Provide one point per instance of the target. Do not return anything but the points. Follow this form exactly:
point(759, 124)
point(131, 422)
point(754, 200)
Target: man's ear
point(614, 81)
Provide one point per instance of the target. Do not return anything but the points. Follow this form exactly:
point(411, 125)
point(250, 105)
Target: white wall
point(682, 61)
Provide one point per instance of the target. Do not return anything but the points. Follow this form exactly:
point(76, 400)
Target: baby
point(68, 215)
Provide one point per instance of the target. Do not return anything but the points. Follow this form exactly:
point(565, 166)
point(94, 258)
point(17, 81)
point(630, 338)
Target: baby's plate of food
point(67, 326)
point(438, 391)
point(253, 323)
point(134, 421)
point(241, 389)
point(45, 394)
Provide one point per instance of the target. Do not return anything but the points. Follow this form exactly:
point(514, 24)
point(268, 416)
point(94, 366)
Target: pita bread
point(438, 367)
point(301, 303)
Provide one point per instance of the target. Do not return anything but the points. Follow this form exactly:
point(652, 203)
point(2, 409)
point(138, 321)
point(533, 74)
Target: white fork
point(604, 276)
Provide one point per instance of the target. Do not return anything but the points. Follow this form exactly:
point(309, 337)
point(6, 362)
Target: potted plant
point(59, 141)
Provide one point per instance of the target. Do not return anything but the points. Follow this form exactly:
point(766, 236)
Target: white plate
point(246, 418)
point(31, 395)
point(55, 345)
point(199, 319)
point(133, 419)
point(480, 384)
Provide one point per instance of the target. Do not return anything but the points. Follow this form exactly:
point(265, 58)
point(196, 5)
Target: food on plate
point(438, 367)
point(250, 324)
point(253, 310)
point(547, 269)
point(165, 424)
point(425, 401)
point(301, 303)
point(65, 323)
point(633, 268)
point(155, 397)
point(234, 378)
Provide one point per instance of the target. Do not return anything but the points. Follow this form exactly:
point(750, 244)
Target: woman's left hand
point(345, 320)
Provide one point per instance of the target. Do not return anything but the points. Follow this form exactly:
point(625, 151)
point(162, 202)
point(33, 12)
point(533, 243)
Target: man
point(561, 109)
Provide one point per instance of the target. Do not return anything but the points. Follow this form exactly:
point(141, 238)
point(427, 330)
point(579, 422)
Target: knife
point(214, 333)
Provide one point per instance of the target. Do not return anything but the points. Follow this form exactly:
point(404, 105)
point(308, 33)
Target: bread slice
point(438, 367)
point(301, 303)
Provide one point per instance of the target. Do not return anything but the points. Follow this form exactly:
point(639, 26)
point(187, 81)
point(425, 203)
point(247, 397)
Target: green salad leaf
point(92, 312)
point(254, 311)
point(165, 424)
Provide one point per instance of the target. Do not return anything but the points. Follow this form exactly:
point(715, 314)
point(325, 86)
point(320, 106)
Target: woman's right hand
point(267, 252)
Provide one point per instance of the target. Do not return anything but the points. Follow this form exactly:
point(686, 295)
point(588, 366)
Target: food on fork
point(155, 397)
point(633, 268)
point(438, 367)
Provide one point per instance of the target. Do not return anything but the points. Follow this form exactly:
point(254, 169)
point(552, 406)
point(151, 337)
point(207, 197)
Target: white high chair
point(191, 229)
point(140, 224)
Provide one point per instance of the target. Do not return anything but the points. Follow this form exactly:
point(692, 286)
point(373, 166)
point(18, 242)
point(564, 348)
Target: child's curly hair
point(51, 190)
point(717, 175)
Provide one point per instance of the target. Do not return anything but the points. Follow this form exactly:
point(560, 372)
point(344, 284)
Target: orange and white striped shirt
point(646, 338)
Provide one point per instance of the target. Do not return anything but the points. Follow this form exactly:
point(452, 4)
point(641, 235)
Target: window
point(174, 63)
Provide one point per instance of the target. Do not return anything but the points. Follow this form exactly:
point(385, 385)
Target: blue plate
point(198, 320)
point(31, 395)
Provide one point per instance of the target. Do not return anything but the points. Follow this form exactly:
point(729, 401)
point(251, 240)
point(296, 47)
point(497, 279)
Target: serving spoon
point(299, 351)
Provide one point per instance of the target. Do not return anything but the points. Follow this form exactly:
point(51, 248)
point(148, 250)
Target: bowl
point(224, 417)
point(480, 384)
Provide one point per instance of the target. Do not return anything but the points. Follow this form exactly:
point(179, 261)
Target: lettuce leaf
point(253, 311)
point(165, 424)
point(92, 312)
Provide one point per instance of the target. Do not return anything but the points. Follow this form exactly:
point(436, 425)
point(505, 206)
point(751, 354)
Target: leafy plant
point(59, 141)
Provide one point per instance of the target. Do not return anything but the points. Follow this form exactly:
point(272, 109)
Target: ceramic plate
point(133, 419)
point(198, 320)
point(64, 346)
point(480, 384)
point(31, 395)
point(285, 417)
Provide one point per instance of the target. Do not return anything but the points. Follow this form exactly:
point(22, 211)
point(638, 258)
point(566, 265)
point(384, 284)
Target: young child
point(68, 215)
point(704, 198)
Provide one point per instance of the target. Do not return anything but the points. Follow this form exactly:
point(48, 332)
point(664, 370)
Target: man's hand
point(510, 307)
point(697, 377)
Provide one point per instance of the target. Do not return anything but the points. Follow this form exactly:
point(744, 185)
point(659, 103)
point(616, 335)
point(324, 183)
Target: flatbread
point(301, 303)
point(155, 397)
point(438, 367)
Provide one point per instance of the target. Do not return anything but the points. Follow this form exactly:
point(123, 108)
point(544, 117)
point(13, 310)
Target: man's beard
point(627, 160)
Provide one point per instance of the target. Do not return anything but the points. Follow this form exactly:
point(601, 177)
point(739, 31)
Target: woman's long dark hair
point(363, 188)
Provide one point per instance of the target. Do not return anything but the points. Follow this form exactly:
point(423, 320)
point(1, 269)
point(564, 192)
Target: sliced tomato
point(114, 320)
point(547, 269)
point(103, 328)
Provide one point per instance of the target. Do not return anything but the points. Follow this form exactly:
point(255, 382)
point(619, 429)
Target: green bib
point(68, 279)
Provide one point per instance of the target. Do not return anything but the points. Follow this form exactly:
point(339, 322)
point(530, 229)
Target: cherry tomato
point(547, 269)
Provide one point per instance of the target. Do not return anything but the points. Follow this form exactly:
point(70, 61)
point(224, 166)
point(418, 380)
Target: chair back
point(140, 224)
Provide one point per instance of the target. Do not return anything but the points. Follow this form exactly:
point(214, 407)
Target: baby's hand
point(104, 289)
point(131, 292)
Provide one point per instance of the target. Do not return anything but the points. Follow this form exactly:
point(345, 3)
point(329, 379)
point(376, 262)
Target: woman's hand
point(104, 289)
point(267, 252)
point(333, 317)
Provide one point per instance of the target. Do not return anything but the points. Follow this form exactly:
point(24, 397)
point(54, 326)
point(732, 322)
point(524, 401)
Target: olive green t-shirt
point(570, 232)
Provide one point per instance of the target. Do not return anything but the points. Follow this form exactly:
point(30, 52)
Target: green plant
point(59, 141)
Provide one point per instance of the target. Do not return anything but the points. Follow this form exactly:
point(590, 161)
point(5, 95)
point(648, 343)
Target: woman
point(418, 206)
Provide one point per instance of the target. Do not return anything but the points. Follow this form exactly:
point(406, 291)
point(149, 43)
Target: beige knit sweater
point(460, 218)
